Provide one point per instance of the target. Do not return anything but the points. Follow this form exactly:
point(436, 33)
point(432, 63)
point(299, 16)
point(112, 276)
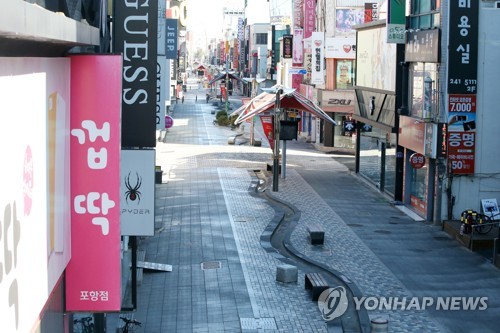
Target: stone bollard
point(286, 273)
point(379, 324)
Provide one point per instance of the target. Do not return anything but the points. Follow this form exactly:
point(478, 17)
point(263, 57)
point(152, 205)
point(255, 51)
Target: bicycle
point(130, 325)
point(470, 219)
point(490, 217)
point(83, 325)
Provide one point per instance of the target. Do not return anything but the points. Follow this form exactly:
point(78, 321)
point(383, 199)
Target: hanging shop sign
point(135, 36)
point(137, 192)
point(461, 133)
point(318, 58)
point(422, 46)
point(337, 101)
point(396, 20)
point(417, 160)
point(95, 184)
point(463, 47)
point(287, 46)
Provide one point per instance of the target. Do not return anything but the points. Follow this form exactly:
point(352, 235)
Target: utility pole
point(227, 84)
point(276, 137)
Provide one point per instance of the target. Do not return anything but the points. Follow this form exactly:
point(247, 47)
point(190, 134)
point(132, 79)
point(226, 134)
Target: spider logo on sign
point(133, 192)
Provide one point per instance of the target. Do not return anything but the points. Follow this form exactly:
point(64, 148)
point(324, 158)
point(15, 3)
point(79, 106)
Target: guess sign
point(417, 160)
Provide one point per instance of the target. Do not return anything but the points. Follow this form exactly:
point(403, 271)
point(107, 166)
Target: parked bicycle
point(470, 219)
point(490, 217)
point(83, 325)
point(130, 325)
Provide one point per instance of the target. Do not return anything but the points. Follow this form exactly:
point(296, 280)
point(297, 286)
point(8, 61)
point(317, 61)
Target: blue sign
point(302, 71)
point(171, 39)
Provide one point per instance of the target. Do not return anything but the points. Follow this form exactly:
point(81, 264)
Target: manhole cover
point(211, 265)
point(386, 232)
point(258, 323)
point(355, 225)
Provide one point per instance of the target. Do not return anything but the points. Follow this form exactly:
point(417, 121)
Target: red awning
point(266, 101)
point(223, 75)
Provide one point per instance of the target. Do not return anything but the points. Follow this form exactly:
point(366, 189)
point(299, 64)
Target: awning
point(223, 75)
point(266, 101)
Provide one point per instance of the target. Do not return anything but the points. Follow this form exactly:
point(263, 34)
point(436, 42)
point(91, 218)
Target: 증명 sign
point(417, 160)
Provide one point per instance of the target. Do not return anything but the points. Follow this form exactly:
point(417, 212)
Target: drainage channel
point(276, 240)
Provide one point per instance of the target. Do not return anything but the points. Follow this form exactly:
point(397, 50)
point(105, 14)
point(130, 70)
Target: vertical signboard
point(171, 39)
point(93, 274)
point(34, 201)
point(318, 58)
point(461, 133)
point(161, 67)
point(298, 13)
point(135, 36)
point(287, 46)
point(137, 188)
point(396, 21)
point(371, 12)
point(309, 17)
point(298, 49)
point(463, 47)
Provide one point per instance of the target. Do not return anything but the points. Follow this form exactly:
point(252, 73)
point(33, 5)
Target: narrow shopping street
point(210, 227)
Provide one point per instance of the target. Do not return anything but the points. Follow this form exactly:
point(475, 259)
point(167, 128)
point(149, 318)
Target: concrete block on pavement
point(286, 273)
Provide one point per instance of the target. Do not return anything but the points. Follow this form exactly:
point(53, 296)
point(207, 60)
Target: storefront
point(340, 106)
point(378, 96)
point(376, 150)
point(421, 142)
point(419, 133)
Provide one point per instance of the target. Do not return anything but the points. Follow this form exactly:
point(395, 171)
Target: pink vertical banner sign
point(93, 274)
point(309, 17)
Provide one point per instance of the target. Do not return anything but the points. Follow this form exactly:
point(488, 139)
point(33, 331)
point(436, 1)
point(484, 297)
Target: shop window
point(425, 14)
point(261, 38)
point(344, 74)
point(423, 90)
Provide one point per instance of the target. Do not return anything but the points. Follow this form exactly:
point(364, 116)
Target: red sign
point(223, 92)
point(462, 103)
point(461, 147)
point(417, 160)
point(169, 121)
point(93, 274)
point(267, 126)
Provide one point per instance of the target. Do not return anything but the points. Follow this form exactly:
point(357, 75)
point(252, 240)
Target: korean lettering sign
point(461, 147)
point(463, 47)
point(461, 133)
point(309, 17)
point(93, 273)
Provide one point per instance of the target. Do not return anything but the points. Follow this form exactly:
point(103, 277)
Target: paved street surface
point(209, 225)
